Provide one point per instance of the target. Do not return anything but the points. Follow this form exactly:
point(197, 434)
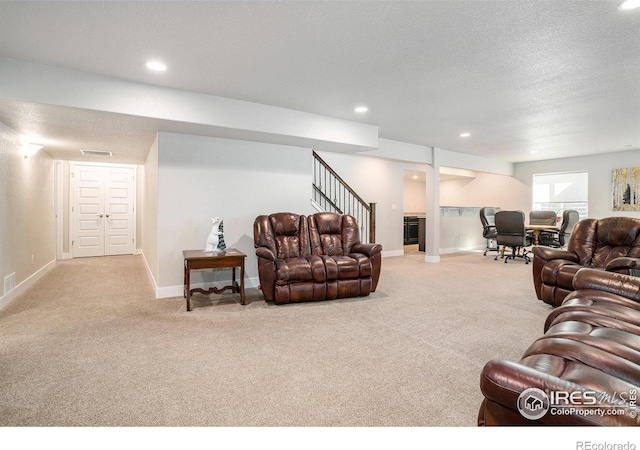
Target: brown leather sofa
point(319, 257)
point(584, 370)
point(611, 244)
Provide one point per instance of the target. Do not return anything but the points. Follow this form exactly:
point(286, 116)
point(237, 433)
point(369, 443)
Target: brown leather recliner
point(584, 370)
point(611, 244)
point(319, 257)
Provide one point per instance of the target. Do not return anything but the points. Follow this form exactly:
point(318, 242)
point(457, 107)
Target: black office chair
point(511, 233)
point(487, 217)
point(560, 238)
point(542, 218)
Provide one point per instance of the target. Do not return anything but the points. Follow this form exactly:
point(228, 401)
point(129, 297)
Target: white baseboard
point(431, 259)
point(392, 253)
point(446, 251)
point(66, 256)
point(149, 273)
point(178, 291)
point(26, 284)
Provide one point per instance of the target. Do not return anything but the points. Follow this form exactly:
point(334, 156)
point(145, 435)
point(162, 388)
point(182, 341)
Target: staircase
point(332, 194)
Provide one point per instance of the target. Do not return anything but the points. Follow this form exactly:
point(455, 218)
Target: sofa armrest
point(623, 263)
point(548, 254)
point(616, 283)
point(264, 252)
point(366, 249)
point(503, 381)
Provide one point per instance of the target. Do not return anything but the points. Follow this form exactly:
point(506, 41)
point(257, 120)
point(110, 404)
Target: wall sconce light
point(30, 149)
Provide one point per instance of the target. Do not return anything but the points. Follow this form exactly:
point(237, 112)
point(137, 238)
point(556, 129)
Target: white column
point(432, 244)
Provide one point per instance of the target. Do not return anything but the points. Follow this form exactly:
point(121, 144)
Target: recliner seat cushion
point(311, 268)
point(364, 264)
point(347, 267)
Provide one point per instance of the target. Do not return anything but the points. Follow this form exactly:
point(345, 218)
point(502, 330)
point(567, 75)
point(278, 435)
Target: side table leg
point(188, 288)
point(234, 285)
point(242, 283)
point(184, 280)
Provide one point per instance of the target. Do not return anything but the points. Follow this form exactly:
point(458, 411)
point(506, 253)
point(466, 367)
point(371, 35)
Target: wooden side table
point(201, 260)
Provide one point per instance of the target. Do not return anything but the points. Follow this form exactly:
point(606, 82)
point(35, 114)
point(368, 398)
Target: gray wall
point(202, 177)
point(27, 216)
point(148, 204)
point(599, 168)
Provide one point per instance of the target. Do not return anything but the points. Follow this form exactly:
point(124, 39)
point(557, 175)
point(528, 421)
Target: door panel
point(119, 226)
point(88, 206)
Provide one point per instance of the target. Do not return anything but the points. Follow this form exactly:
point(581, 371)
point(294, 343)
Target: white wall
point(486, 189)
point(447, 158)
point(148, 205)
point(401, 151)
point(599, 168)
point(462, 229)
point(27, 215)
point(379, 181)
point(226, 117)
point(202, 177)
point(415, 197)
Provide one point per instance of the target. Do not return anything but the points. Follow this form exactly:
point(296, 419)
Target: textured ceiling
point(559, 78)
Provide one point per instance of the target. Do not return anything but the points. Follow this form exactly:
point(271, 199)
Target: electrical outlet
point(9, 283)
point(32, 260)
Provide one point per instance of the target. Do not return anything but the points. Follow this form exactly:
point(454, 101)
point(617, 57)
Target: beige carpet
point(90, 346)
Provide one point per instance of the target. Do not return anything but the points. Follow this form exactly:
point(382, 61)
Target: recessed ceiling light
point(361, 109)
point(156, 66)
point(465, 134)
point(629, 4)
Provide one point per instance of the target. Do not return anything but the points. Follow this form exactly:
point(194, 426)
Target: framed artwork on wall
point(625, 189)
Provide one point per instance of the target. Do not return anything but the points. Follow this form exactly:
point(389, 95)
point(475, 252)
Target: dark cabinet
point(422, 232)
point(411, 232)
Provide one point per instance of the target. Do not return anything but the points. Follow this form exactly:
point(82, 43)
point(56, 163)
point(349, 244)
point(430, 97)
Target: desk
point(201, 260)
point(536, 229)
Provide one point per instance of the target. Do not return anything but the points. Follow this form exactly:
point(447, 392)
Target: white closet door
point(88, 211)
point(103, 210)
point(119, 201)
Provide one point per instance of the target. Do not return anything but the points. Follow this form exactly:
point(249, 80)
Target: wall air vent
point(96, 153)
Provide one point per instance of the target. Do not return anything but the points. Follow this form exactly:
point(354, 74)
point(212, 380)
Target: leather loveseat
point(316, 257)
point(584, 370)
point(611, 244)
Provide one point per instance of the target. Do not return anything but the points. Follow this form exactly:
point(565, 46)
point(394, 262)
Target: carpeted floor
point(90, 346)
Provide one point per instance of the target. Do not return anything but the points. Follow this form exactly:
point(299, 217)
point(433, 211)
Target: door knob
point(99, 215)
point(107, 215)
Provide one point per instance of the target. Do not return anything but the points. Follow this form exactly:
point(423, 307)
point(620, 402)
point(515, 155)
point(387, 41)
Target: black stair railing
point(331, 193)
